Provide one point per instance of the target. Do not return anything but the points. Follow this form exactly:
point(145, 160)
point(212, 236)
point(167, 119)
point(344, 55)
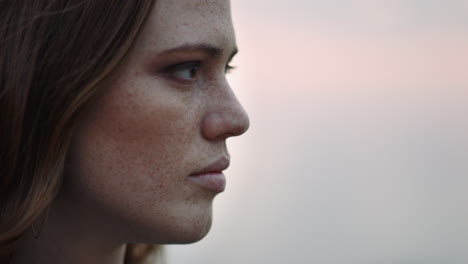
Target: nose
point(225, 118)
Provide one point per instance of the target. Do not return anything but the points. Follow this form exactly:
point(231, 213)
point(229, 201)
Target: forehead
point(177, 22)
point(206, 6)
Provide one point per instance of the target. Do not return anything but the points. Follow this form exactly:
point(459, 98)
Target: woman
point(114, 120)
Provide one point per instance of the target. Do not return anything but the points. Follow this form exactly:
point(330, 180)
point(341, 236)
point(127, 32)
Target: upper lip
point(217, 166)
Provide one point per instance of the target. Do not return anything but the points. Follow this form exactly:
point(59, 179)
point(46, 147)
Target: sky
point(358, 145)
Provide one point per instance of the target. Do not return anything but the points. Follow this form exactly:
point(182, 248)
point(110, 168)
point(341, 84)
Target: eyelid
point(170, 72)
point(182, 66)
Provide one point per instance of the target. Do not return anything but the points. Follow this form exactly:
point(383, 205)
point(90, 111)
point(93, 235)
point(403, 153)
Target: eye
point(186, 72)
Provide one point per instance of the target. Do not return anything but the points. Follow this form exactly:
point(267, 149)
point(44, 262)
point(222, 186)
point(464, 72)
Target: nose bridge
point(226, 117)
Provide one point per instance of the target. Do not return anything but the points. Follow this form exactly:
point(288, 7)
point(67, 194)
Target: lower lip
point(213, 181)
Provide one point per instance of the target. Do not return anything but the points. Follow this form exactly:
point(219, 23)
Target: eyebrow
point(211, 50)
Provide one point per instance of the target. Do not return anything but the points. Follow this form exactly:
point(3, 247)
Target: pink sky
point(312, 56)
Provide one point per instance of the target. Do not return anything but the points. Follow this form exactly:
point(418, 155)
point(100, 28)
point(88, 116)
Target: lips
point(211, 177)
point(217, 166)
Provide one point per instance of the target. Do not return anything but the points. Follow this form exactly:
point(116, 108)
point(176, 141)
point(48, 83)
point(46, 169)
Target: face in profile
point(145, 160)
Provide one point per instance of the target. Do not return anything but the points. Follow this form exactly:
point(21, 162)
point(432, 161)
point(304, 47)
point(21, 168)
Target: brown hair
point(54, 55)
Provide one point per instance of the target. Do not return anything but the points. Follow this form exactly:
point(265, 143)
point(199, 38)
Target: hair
point(54, 58)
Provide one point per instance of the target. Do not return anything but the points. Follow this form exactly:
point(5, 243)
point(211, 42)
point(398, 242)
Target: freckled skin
point(131, 156)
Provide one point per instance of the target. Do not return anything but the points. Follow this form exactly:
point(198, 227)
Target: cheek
point(131, 154)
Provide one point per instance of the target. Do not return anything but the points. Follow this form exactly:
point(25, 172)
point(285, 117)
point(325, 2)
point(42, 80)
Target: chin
point(190, 224)
point(192, 235)
point(177, 228)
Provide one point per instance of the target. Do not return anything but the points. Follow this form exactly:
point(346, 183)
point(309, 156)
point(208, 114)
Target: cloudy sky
point(358, 147)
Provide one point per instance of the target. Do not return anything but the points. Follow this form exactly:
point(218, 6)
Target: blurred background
point(358, 146)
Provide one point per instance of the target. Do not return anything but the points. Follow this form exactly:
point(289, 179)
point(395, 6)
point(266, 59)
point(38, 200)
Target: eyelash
point(229, 69)
point(191, 65)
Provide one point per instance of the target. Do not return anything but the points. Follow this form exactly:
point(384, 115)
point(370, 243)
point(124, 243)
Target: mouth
point(211, 177)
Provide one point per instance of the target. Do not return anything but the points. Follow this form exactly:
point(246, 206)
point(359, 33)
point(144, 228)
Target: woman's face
point(165, 117)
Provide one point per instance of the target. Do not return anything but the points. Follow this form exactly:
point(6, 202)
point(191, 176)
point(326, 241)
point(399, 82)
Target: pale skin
point(166, 115)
